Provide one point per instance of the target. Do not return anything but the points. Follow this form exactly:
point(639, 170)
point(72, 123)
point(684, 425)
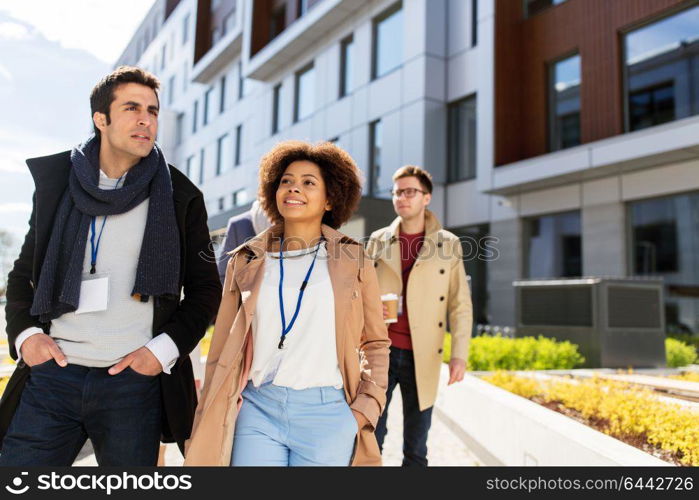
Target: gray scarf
point(157, 274)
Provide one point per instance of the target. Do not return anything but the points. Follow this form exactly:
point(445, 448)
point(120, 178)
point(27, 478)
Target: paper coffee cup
point(391, 302)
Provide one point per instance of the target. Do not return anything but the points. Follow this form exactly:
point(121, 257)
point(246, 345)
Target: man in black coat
point(115, 285)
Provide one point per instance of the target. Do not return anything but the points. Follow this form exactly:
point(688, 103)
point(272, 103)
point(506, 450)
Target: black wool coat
point(185, 320)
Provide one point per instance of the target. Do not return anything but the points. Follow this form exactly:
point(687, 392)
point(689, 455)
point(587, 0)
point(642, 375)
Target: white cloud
point(14, 31)
point(6, 208)
point(102, 27)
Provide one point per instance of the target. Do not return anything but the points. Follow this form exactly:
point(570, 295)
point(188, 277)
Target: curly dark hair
point(340, 174)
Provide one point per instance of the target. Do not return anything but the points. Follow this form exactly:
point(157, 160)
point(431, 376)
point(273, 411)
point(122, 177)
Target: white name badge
point(94, 295)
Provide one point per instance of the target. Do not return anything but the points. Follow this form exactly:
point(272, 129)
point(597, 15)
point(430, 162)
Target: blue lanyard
point(286, 329)
point(96, 247)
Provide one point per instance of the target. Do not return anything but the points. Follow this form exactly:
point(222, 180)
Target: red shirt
point(399, 332)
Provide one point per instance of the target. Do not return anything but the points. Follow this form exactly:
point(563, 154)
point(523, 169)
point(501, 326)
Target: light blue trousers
point(278, 426)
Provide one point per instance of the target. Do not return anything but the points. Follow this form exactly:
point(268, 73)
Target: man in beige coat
point(421, 263)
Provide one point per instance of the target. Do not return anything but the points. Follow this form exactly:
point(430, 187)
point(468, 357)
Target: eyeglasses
point(408, 192)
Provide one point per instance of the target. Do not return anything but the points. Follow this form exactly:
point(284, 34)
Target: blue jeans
point(416, 423)
point(279, 426)
point(61, 407)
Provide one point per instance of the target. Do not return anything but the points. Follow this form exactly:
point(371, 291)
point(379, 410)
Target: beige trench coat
point(361, 339)
point(437, 290)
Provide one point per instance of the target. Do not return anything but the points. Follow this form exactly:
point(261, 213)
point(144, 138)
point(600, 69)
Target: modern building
point(563, 135)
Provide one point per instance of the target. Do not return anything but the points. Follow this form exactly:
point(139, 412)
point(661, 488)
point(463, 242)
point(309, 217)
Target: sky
point(51, 55)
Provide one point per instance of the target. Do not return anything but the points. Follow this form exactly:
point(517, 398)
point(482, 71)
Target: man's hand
point(457, 368)
point(141, 361)
point(39, 348)
point(361, 419)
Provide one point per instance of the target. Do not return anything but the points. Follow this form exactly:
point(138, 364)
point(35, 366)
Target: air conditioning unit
point(616, 322)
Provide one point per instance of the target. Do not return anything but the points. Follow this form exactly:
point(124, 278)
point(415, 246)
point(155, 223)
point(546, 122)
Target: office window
point(163, 57)
point(240, 197)
point(190, 166)
point(564, 107)
point(346, 62)
point(277, 22)
point(461, 139)
point(185, 76)
point(229, 20)
point(241, 81)
point(304, 93)
point(171, 90)
point(276, 104)
point(661, 75)
point(207, 104)
point(387, 41)
point(185, 28)
point(223, 154)
point(301, 7)
point(195, 113)
point(201, 166)
point(374, 157)
point(474, 23)
point(238, 143)
point(665, 243)
point(222, 95)
point(554, 246)
point(533, 7)
point(221, 204)
point(179, 129)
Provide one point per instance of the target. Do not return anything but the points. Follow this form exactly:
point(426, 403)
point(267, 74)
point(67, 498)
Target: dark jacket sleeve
point(202, 288)
point(20, 289)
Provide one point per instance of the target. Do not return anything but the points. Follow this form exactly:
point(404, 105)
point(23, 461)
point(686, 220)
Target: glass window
point(238, 143)
point(554, 246)
point(276, 96)
point(662, 70)
point(185, 76)
point(171, 90)
point(207, 105)
point(185, 29)
point(179, 129)
point(388, 41)
point(304, 104)
point(222, 95)
point(195, 112)
point(163, 57)
point(346, 61)
point(277, 22)
point(564, 108)
point(375, 143)
point(241, 81)
point(665, 243)
point(223, 154)
point(301, 7)
point(190, 166)
point(240, 197)
point(229, 21)
point(533, 7)
point(201, 166)
point(461, 137)
point(221, 204)
point(474, 23)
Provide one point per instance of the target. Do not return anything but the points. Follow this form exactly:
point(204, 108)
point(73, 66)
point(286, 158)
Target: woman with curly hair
point(298, 365)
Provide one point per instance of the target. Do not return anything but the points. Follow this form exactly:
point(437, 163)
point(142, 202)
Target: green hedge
point(679, 354)
point(526, 353)
point(542, 353)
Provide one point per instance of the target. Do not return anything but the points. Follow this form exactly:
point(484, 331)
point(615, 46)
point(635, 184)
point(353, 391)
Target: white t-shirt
point(309, 357)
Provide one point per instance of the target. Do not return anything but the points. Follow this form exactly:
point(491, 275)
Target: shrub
point(678, 353)
point(623, 410)
point(526, 353)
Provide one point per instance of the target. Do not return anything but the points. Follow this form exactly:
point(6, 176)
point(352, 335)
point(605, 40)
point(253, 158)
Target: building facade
point(562, 135)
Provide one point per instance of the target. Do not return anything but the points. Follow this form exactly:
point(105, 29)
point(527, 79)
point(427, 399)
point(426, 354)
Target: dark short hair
point(340, 174)
point(421, 174)
point(102, 95)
